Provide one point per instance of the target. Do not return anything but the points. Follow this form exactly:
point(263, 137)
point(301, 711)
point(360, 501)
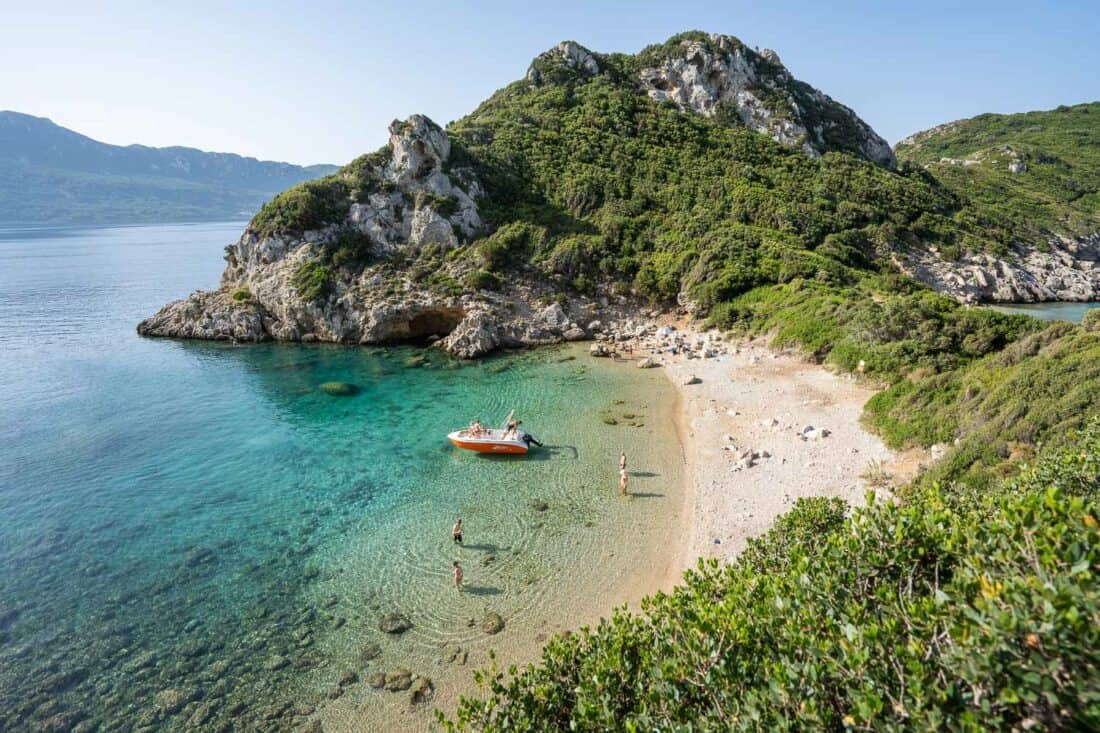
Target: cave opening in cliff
point(434, 322)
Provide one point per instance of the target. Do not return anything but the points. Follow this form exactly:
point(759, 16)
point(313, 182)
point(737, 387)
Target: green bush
point(241, 295)
point(481, 280)
point(901, 618)
point(313, 281)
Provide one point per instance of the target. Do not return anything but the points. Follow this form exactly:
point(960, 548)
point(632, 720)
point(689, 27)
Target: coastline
point(630, 549)
point(742, 388)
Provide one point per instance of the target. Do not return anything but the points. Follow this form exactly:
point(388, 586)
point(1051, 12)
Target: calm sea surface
point(193, 533)
point(1049, 311)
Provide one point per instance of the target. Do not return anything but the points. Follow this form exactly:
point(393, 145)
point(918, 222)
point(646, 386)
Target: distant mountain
point(53, 175)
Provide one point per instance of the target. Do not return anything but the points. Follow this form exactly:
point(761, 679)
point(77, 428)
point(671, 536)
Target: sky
point(318, 82)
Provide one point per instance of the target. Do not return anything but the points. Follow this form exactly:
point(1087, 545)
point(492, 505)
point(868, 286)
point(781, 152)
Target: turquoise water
point(1049, 311)
point(194, 534)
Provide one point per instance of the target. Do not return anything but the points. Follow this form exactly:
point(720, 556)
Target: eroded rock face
point(569, 54)
point(725, 76)
point(1068, 270)
point(416, 205)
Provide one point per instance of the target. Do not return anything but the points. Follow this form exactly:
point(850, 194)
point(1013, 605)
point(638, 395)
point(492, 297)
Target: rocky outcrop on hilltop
point(719, 75)
point(1069, 269)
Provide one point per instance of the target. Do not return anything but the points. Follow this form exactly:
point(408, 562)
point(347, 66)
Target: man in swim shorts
point(456, 532)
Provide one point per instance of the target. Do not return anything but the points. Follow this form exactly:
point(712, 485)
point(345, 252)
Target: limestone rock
point(692, 379)
point(648, 363)
point(1069, 269)
point(720, 76)
point(598, 349)
point(568, 54)
point(377, 680)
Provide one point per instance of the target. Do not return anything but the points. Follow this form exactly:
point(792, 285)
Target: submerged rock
point(395, 623)
point(377, 680)
point(492, 623)
point(339, 389)
point(420, 691)
point(370, 651)
point(539, 505)
point(398, 679)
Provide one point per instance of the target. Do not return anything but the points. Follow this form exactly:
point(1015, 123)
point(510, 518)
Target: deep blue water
point(194, 536)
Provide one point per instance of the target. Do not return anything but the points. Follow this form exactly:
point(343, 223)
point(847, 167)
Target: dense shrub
point(901, 618)
point(481, 280)
point(312, 281)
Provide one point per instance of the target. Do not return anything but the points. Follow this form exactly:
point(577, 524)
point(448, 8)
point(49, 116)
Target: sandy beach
point(762, 429)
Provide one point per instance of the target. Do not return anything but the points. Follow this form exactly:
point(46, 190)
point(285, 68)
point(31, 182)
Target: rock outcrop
point(722, 76)
point(568, 55)
point(1069, 269)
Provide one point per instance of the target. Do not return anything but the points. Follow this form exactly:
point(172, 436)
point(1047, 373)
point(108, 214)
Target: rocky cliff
point(685, 176)
point(1032, 182)
point(718, 76)
point(415, 205)
point(1066, 269)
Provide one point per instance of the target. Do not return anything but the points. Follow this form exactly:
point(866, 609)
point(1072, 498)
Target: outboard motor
point(529, 439)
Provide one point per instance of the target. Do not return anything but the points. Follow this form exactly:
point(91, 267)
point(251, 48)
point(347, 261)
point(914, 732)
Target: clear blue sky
point(319, 81)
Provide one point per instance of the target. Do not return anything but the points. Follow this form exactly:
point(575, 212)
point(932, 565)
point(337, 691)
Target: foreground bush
point(926, 616)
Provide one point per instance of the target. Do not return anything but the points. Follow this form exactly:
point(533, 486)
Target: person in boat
point(513, 428)
point(458, 576)
point(456, 532)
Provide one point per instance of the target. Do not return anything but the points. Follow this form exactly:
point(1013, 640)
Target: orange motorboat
point(504, 440)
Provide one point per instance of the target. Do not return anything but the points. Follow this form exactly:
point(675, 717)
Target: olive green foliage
point(894, 327)
point(312, 280)
point(1035, 390)
point(903, 618)
point(307, 206)
point(1059, 192)
point(241, 295)
point(481, 280)
point(622, 188)
point(988, 380)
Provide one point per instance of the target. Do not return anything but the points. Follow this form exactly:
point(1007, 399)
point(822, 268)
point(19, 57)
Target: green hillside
point(1021, 177)
point(971, 605)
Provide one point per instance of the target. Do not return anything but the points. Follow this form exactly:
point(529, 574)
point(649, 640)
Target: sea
point(195, 536)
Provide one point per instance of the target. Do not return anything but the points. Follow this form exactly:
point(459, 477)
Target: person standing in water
point(458, 576)
point(622, 461)
point(456, 532)
point(622, 481)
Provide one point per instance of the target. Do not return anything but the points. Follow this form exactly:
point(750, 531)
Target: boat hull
point(491, 444)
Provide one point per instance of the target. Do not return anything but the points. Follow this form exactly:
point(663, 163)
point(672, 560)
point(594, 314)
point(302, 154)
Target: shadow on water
point(556, 449)
point(644, 474)
point(646, 494)
point(481, 590)
point(484, 547)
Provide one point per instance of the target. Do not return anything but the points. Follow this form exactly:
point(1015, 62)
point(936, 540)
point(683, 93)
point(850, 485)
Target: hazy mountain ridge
point(52, 175)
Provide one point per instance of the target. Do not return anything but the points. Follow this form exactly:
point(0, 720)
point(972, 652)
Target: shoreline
point(718, 496)
point(761, 429)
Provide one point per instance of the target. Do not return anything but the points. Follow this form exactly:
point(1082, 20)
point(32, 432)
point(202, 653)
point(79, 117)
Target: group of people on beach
point(456, 530)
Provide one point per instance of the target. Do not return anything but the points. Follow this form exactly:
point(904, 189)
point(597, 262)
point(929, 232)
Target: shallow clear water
point(194, 533)
point(1049, 311)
